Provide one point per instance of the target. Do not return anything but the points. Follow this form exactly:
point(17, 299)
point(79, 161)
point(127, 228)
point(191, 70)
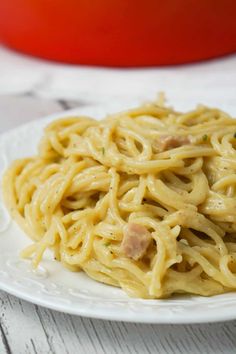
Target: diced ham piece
point(135, 241)
point(168, 142)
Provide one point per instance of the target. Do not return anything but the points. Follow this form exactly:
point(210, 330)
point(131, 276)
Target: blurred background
point(56, 55)
point(120, 33)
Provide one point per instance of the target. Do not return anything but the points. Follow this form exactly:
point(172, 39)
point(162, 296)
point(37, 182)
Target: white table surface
point(30, 89)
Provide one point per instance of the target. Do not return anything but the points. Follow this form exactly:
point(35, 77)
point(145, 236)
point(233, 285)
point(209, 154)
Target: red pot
point(120, 32)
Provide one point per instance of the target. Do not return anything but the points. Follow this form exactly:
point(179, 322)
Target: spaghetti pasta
point(144, 200)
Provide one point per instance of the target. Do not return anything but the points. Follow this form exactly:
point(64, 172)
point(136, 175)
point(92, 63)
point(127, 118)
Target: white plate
point(54, 287)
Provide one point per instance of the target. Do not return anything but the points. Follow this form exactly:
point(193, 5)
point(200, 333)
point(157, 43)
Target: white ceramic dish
point(54, 287)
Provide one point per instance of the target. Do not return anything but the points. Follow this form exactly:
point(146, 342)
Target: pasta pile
point(144, 200)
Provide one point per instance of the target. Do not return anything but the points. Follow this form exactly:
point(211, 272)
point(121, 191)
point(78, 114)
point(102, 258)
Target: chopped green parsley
point(205, 137)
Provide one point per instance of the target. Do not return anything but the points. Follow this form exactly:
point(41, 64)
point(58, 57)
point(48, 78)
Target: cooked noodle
point(171, 175)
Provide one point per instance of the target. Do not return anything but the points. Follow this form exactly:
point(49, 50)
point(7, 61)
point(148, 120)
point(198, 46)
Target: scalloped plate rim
point(184, 316)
